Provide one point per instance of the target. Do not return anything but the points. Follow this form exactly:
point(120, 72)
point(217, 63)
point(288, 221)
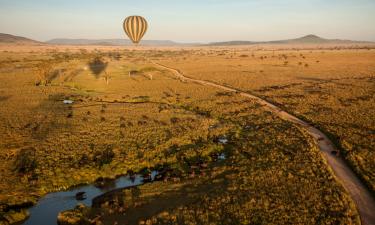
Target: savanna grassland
point(333, 89)
point(130, 116)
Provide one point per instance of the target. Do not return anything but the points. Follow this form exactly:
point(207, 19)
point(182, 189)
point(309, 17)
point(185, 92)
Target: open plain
point(78, 115)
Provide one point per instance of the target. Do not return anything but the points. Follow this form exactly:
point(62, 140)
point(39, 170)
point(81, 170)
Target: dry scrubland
point(332, 89)
point(273, 173)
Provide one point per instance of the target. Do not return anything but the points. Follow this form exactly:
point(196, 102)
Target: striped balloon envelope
point(135, 27)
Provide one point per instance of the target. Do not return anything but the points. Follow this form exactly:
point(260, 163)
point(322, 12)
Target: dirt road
point(358, 191)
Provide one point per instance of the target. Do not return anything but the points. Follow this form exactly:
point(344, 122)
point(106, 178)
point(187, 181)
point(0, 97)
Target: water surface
point(47, 208)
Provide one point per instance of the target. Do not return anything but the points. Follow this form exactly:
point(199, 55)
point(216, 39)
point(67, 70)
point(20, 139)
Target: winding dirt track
point(358, 191)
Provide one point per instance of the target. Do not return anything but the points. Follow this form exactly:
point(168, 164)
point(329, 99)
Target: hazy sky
point(191, 20)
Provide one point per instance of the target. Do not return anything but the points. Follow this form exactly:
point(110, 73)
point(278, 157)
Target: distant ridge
point(8, 39)
point(112, 42)
point(12, 39)
point(308, 39)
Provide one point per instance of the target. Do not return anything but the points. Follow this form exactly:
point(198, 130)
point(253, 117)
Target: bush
point(26, 161)
point(104, 157)
point(174, 120)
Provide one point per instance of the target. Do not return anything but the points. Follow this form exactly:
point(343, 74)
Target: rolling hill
point(12, 39)
point(308, 39)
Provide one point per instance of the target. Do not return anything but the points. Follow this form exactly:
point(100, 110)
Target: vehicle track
point(360, 194)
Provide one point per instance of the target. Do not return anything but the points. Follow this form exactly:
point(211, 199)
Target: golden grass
point(333, 89)
point(142, 118)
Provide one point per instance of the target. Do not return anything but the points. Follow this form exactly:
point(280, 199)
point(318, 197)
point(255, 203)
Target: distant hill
point(112, 42)
point(308, 39)
point(11, 39)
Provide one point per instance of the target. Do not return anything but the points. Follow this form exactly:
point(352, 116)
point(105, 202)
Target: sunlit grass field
point(129, 115)
point(331, 89)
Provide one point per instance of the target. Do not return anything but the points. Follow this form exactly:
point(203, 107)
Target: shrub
point(104, 157)
point(174, 120)
point(133, 72)
point(84, 160)
point(25, 161)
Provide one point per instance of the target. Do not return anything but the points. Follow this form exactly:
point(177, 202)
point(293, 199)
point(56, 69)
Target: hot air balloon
point(135, 27)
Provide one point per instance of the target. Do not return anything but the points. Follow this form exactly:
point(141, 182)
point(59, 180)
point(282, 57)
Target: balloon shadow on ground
point(97, 66)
